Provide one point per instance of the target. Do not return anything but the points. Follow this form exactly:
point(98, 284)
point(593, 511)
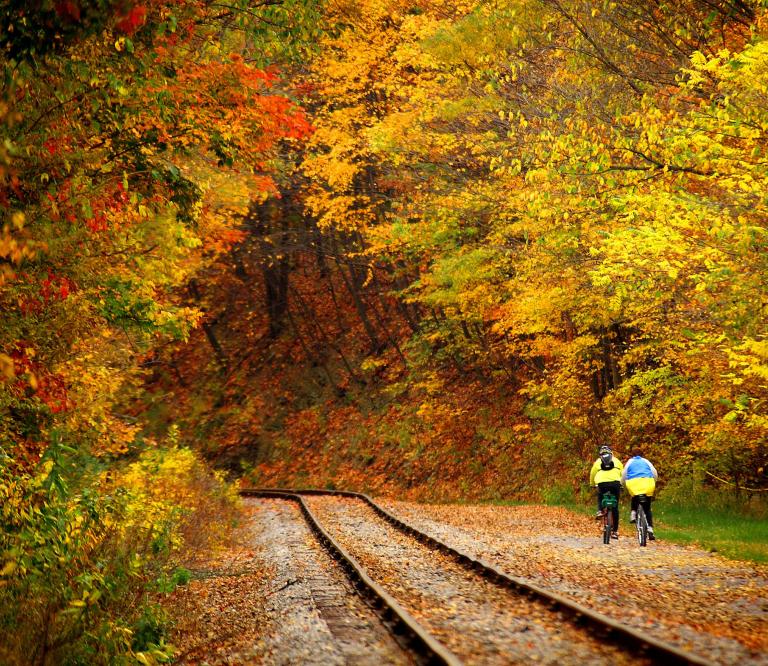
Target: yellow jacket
point(599, 475)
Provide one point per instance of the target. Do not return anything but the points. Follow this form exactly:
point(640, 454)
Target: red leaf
point(132, 21)
point(69, 10)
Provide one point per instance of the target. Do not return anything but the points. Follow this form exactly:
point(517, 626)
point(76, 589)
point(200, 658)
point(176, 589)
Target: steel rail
point(603, 626)
point(404, 628)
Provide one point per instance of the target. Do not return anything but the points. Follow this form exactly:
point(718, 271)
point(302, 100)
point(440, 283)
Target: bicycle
point(608, 503)
point(641, 520)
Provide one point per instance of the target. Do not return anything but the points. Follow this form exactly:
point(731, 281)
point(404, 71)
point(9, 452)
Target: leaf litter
point(273, 597)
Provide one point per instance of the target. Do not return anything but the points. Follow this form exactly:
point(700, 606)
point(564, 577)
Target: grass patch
point(690, 515)
point(729, 533)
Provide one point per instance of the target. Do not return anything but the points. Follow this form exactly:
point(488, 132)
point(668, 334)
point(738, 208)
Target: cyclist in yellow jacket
point(606, 476)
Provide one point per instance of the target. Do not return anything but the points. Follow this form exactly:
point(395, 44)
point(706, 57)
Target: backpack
point(606, 465)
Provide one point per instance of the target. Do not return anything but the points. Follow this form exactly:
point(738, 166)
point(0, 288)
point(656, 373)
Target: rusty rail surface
point(604, 627)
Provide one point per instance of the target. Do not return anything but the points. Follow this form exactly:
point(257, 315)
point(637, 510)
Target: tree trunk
point(207, 327)
point(376, 346)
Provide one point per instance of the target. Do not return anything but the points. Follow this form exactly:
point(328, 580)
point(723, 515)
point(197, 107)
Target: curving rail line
point(413, 636)
point(403, 627)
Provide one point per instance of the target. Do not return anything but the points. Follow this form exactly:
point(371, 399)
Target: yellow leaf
point(6, 367)
point(9, 568)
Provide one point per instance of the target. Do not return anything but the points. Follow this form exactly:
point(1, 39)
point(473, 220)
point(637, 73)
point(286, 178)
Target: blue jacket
point(638, 468)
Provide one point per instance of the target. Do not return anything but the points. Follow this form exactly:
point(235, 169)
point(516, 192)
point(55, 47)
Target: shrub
point(177, 481)
point(78, 563)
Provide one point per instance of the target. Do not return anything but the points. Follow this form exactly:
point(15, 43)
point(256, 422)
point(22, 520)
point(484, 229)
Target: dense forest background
point(441, 248)
point(518, 230)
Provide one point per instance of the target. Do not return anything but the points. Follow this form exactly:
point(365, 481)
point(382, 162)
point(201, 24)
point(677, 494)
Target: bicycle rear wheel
point(641, 525)
point(607, 525)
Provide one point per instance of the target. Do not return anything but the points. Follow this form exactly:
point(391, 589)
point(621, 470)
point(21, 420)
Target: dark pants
point(646, 507)
point(614, 487)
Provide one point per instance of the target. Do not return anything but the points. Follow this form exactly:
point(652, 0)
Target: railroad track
point(420, 641)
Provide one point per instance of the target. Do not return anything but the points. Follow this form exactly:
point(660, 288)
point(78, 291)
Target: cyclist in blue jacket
point(639, 477)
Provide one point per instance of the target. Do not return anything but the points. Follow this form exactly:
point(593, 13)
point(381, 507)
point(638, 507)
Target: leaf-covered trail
point(277, 598)
point(697, 600)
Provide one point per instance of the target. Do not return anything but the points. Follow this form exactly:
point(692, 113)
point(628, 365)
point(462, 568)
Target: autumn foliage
point(419, 246)
point(519, 229)
point(114, 114)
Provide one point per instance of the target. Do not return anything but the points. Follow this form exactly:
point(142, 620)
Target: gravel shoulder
point(699, 601)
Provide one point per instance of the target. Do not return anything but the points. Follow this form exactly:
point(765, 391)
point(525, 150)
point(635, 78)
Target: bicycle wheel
point(641, 525)
point(607, 525)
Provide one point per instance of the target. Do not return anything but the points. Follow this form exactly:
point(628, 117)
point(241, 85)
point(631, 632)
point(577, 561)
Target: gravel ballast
point(478, 621)
point(276, 598)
